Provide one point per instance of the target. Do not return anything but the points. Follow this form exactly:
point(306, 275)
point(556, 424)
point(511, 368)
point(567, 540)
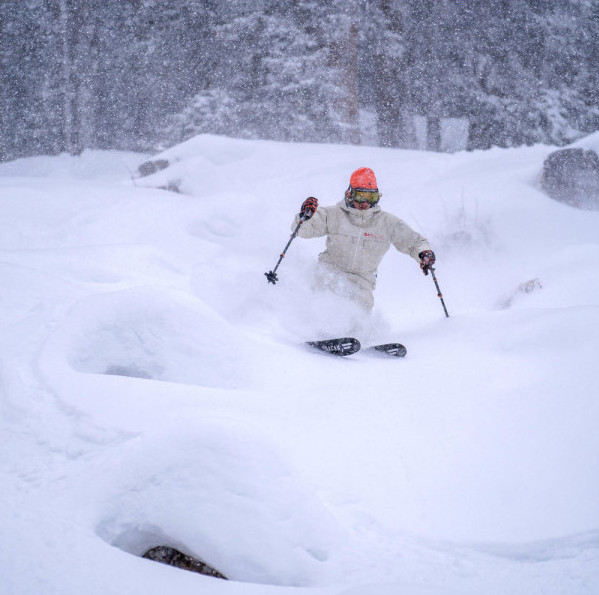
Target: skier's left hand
point(427, 260)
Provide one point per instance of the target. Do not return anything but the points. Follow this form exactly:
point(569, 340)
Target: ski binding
point(343, 346)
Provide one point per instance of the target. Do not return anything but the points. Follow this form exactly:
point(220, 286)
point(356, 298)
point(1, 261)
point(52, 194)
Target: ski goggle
point(371, 196)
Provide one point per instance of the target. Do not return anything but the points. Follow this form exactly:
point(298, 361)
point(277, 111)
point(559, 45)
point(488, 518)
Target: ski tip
point(390, 349)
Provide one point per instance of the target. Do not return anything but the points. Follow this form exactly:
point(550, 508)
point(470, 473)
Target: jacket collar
point(357, 217)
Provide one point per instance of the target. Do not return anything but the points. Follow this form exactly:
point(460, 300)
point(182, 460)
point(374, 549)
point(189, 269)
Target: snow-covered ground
point(154, 390)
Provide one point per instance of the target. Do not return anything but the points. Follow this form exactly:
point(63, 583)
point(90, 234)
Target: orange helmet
point(362, 189)
point(364, 179)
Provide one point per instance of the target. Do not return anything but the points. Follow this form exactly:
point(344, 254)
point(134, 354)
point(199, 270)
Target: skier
point(359, 233)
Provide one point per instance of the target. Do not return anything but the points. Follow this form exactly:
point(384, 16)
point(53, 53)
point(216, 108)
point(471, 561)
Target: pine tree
point(290, 74)
point(385, 60)
point(30, 85)
point(140, 74)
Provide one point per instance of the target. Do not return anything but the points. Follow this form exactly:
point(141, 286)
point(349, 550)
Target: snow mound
point(150, 333)
point(154, 390)
point(215, 489)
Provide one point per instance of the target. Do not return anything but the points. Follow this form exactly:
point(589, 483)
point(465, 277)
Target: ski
point(391, 349)
point(343, 346)
point(349, 345)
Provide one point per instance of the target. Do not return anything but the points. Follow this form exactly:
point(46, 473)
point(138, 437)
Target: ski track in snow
point(155, 392)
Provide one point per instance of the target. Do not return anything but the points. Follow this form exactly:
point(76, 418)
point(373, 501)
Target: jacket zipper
point(353, 264)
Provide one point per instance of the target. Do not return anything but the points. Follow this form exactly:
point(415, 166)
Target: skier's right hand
point(308, 209)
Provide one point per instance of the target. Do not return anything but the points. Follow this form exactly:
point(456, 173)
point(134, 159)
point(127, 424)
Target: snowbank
point(154, 390)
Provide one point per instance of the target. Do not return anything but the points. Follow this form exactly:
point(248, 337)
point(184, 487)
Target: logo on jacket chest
point(374, 236)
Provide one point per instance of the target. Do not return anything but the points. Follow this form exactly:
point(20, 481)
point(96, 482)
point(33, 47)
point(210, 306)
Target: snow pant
point(347, 285)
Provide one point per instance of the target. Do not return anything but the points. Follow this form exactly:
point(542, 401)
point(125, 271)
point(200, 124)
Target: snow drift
point(154, 390)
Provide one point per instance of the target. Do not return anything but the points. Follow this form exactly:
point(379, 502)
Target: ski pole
point(439, 294)
point(271, 276)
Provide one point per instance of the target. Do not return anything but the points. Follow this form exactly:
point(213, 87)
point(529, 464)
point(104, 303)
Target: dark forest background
point(145, 74)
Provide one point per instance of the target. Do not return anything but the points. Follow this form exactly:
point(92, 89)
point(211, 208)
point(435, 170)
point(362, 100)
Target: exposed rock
point(172, 186)
point(151, 167)
point(530, 286)
point(168, 555)
point(572, 176)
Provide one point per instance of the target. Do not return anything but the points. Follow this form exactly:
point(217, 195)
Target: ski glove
point(427, 260)
point(309, 207)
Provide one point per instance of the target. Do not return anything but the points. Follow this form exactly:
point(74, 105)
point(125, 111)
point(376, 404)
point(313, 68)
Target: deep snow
point(154, 390)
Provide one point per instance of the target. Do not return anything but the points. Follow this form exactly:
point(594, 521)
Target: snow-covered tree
point(139, 74)
point(290, 73)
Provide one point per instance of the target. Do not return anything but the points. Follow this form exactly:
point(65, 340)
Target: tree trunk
point(69, 25)
point(391, 122)
point(433, 133)
point(353, 108)
point(344, 59)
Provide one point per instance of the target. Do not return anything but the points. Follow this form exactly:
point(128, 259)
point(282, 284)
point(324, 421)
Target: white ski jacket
point(358, 240)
